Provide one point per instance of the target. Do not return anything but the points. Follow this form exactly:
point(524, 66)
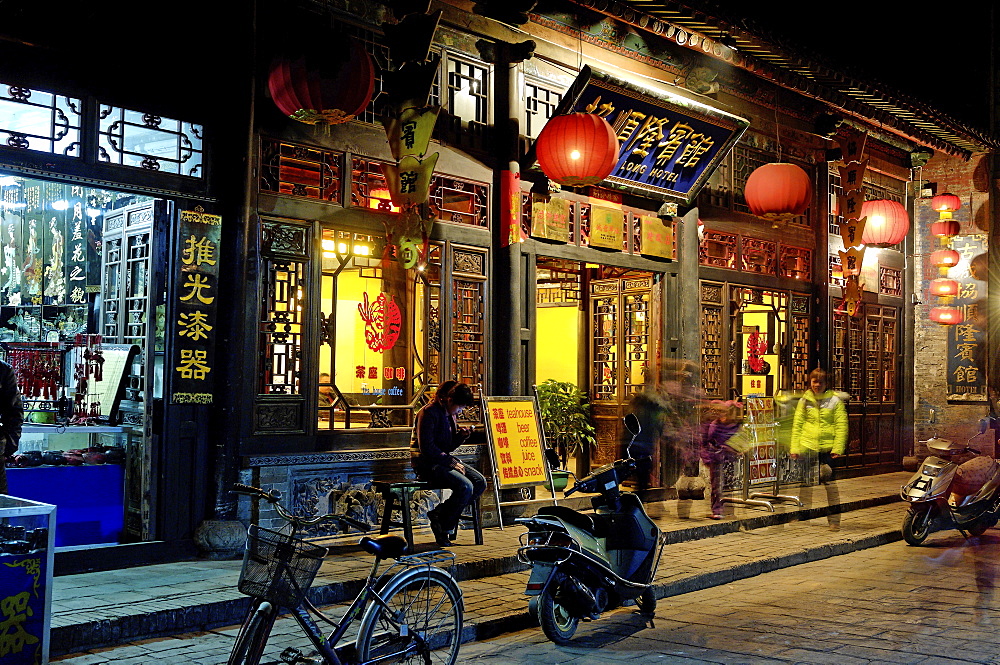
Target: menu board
point(515, 439)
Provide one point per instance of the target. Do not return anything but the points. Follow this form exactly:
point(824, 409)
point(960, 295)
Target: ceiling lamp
point(946, 228)
point(944, 287)
point(778, 192)
point(945, 258)
point(887, 223)
point(323, 89)
point(577, 149)
point(946, 202)
point(947, 315)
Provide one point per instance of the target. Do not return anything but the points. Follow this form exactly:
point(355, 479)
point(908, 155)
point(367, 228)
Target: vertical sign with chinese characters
point(967, 340)
point(515, 440)
point(197, 300)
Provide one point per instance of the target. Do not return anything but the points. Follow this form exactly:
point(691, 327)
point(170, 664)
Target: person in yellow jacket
point(819, 435)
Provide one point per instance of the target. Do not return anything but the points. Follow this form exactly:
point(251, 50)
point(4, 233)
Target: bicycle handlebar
point(274, 498)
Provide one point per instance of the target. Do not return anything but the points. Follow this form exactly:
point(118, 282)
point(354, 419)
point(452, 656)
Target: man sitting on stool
point(435, 435)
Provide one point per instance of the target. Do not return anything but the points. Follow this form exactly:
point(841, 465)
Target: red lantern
point(887, 223)
point(577, 149)
point(944, 287)
point(945, 258)
point(946, 228)
point(948, 316)
point(778, 191)
point(328, 89)
point(946, 202)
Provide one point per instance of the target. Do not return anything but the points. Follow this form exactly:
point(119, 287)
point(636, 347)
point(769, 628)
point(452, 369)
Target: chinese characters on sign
point(967, 340)
point(665, 147)
point(607, 227)
point(197, 295)
point(549, 217)
point(22, 609)
point(657, 237)
point(512, 427)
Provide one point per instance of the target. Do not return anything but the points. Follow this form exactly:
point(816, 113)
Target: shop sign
point(657, 237)
point(607, 227)
point(22, 608)
point(515, 441)
point(197, 301)
point(669, 143)
point(382, 322)
point(549, 218)
point(967, 340)
point(510, 208)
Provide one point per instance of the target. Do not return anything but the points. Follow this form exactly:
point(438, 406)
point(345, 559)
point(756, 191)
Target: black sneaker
point(440, 535)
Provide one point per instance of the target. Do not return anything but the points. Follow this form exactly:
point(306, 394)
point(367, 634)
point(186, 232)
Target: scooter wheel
point(917, 525)
point(556, 621)
point(646, 603)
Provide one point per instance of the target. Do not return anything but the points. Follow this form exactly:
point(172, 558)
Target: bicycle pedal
point(293, 656)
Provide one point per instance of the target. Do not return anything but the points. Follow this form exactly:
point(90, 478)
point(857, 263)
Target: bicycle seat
point(384, 547)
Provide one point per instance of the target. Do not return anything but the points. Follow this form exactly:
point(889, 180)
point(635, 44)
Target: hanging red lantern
point(887, 223)
point(778, 191)
point(945, 258)
point(946, 228)
point(577, 149)
point(326, 89)
point(943, 287)
point(946, 202)
point(948, 316)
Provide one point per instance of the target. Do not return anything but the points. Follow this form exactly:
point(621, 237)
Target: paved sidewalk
point(116, 607)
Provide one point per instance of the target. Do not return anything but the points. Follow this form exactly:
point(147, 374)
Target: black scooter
point(585, 563)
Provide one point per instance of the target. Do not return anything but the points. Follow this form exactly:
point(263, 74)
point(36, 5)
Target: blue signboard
point(22, 608)
point(669, 144)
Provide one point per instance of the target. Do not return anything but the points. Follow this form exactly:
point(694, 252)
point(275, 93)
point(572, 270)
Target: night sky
point(939, 54)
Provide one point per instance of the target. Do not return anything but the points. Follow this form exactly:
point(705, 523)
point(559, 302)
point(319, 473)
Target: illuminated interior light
point(9, 181)
point(575, 154)
point(59, 205)
point(93, 212)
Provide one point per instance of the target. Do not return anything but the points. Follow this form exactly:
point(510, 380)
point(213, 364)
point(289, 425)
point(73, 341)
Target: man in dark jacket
point(11, 417)
point(436, 435)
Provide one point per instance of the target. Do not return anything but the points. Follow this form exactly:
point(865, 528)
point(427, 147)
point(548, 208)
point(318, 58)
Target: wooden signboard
point(516, 441)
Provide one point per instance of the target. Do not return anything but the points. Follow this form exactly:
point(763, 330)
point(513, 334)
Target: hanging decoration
point(383, 321)
point(577, 149)
point(887, 223)
point(327, 88)
point(856, 218)
point(943, 288)
point(778, 192)
point(409, 123)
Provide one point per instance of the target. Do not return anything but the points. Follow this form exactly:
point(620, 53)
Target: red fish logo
point(382, 322)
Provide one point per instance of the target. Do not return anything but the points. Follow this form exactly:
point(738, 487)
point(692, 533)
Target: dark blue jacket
point(435, 436)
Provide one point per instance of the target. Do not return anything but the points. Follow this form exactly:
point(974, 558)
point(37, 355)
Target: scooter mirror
point(632, 424)
point(552, 457)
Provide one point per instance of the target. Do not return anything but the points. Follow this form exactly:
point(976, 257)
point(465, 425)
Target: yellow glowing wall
point(557, 353)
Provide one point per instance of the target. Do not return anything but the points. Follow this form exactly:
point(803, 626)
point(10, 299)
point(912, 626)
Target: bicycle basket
point(278, 568)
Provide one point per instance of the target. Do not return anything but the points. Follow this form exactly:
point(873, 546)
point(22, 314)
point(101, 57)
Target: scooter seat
point(570, 516)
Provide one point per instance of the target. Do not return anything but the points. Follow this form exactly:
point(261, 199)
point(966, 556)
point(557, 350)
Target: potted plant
point(565, 412)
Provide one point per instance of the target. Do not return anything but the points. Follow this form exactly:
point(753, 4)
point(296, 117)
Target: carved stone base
point(220, 539)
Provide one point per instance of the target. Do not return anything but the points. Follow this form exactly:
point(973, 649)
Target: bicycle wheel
point(422, 618)
point(253, 635)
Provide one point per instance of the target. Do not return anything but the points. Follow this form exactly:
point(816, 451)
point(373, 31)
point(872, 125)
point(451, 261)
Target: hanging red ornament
point(946, 202)
point(948, 316)
point(577, 149)
point(943, 287)
point(887, 223)
point(778, 191)
point(324, 89)
point(945, 258)
point(946, 228)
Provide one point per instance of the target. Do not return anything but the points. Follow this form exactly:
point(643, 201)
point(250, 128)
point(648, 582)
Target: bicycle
point(412, 612)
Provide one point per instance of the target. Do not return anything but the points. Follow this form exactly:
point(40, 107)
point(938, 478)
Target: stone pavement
point(118, 607)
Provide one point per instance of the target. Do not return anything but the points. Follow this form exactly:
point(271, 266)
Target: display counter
point(90, 496)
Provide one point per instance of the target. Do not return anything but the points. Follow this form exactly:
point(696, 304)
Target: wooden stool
point(397, 495)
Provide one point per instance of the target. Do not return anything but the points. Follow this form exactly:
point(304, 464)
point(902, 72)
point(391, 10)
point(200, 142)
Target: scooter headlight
point(931, 471)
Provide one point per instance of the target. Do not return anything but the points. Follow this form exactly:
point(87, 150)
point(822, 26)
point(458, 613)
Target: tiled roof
point(705, 27)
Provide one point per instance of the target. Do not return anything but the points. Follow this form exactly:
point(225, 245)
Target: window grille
point(33, 119)
point(291, 169)
point(143, 140)
point(281, 322)
point(539, 105)
point(468, 90)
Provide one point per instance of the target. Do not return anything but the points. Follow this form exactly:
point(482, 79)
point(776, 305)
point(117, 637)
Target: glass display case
point(26, 544)
point(80, 470)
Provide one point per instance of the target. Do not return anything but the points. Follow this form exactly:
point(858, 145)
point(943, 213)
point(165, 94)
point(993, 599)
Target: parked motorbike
point(945, 494)
point(585, 563)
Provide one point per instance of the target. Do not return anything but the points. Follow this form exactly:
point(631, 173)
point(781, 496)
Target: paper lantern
point(943, 287)
point(946, 202)
point(577, 149)
point(946, 228)
point(947, 316)
point(325, 88)
point(945, 258)
point(778, 191)
point(887, 223)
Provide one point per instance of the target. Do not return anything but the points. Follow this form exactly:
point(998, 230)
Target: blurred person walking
point(819, 436)
point(720, 422)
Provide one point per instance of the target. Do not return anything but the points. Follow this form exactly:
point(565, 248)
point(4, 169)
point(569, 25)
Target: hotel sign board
point(669, 143)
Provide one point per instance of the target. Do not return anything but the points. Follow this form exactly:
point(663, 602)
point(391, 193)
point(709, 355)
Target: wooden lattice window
point(540, 103)
point(890, 281)
point(758, 256)
point(292, 169)
point(718, 249)
point(469, 317)
point(282, 311)
point(795, 262)
point(712, 340)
